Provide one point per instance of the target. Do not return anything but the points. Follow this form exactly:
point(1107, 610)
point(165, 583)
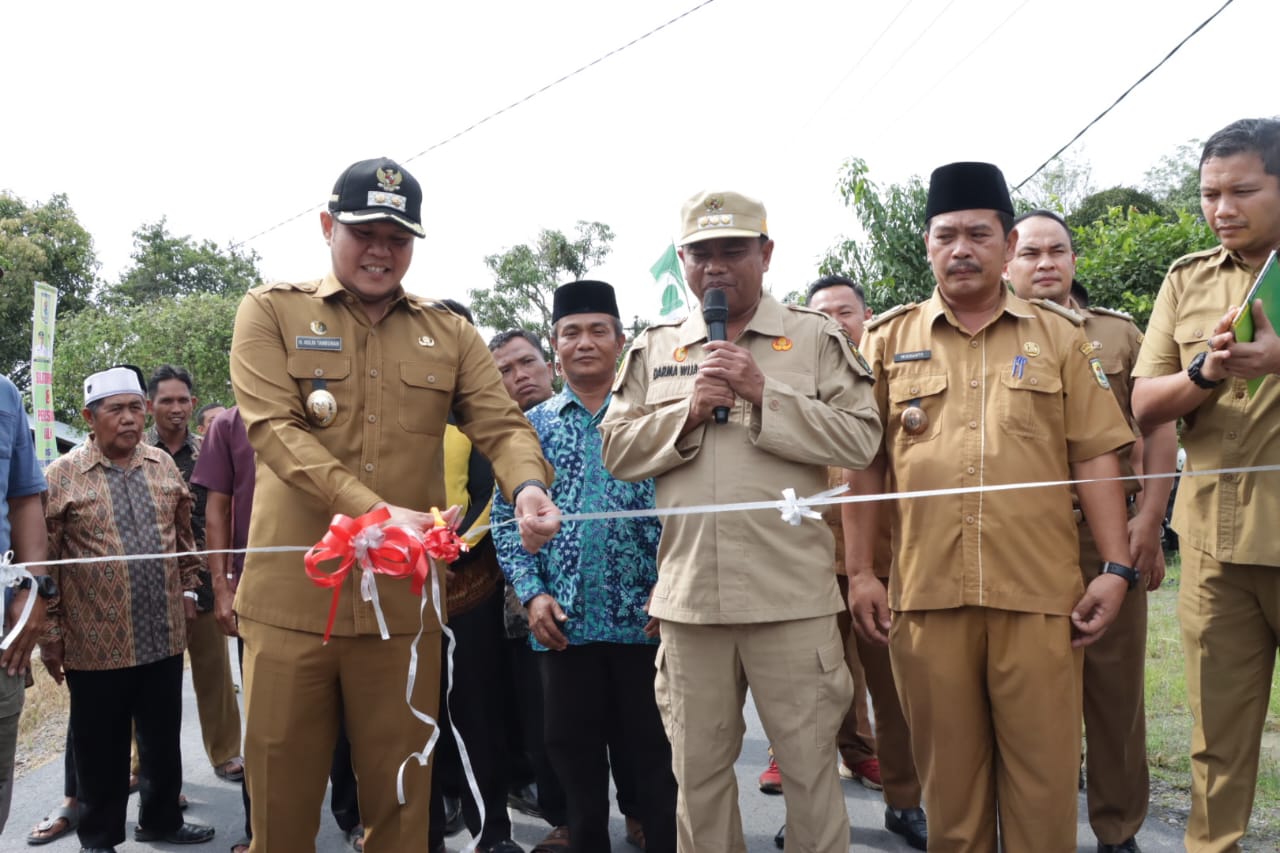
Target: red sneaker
point(866, 773)
point(771, 779)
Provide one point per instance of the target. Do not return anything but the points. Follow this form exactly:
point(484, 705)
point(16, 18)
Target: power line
point(1140, 80)
point(907, 49)
point(496, 113)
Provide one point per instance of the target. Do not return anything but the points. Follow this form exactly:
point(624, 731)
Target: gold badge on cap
point(322, 408)
point(1031, 348)
point(318, 327)
point(389, 179)
point(782, 344)
point(714, 203)
point(426, 341)
point(914, 420)
point(680, 354)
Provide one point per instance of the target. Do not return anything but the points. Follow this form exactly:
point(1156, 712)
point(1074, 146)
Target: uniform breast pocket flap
point(426, 393)
point(331, 371)
point(1030, 401)
point(1192, 335)
point(802, 383)
point(916, 406)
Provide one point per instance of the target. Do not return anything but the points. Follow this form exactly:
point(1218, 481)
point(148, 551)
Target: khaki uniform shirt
point(739, 567)
point(1016, 402)
point(395, 383)
point(884, 539)
point(1116, 341)
point(1230, 516)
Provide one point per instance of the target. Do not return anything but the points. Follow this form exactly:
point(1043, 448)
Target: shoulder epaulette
point(1111, 312)
point(670, 321)
point(886, 316)
point(1194, 256)
point(1050, 305)
point(300, 286)
point(802, 309)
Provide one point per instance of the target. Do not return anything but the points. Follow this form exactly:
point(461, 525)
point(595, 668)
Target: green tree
point(889, 261)
point(165, 265)
point(1060, 186)
point(1099, 204)
point(1122, 257)
point(525, 277)
point(193, 331)
point(39, 242)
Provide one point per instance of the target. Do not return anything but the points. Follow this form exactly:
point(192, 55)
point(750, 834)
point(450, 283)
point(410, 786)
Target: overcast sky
point(228, 118)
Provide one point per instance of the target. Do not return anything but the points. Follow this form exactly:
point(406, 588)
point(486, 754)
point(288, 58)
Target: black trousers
point(598, 700)
point(343, 797)
point(479, 715)
point(527, 676)
point(106, 707)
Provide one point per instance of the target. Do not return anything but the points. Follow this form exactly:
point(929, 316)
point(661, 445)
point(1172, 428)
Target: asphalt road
point(218, 803)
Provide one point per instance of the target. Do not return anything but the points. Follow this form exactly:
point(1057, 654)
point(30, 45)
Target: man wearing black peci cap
point(978, 388)
point(345, 385)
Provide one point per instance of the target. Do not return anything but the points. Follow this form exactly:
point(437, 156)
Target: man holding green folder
point(1191, 366)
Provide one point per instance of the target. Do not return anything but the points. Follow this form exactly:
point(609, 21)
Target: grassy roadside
point(1169, 723)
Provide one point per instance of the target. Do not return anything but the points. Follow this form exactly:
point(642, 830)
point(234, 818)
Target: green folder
point(1266, 288)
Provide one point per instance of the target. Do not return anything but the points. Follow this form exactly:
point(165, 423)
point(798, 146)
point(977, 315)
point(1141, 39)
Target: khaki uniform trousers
point(296, 688)
point(801, 688)
point(1230, 616)
point(215, 693)
point(993, 701)
point(1115, 721)
point(870, 667)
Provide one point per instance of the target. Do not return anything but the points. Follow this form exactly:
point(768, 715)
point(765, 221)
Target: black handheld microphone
point(715, 313)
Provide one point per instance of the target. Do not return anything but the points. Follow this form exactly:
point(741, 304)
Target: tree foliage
point(1122, 258)
point(1097, 205)
point(889, 260)
point(39, 242)
point(1175, 180)
point(1060, 186)
point(165, 265)
point(525, 277)
point(193, 332)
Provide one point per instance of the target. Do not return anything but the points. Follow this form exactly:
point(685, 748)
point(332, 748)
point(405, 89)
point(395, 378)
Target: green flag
point(667, 270)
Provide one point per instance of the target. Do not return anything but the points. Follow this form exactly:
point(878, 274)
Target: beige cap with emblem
point(710, 215)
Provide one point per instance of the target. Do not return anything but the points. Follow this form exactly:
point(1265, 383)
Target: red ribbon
point(399, 555)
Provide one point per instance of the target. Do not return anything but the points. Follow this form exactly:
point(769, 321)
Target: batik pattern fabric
point(600, 572)
point(119, 613)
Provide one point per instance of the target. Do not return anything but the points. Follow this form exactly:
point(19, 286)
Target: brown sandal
point(556, 841)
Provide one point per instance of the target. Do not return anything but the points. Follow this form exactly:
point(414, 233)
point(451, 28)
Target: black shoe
point(910, 824)
point(525, 801)
point(504, 846)
point(453, 820)
point(1129, 846)
point(780, 840)
point(188, 833)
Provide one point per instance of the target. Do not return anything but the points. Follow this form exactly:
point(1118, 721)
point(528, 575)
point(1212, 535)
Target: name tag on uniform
point(309, 342)
point(918, 355)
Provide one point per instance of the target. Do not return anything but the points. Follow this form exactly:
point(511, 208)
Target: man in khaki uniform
point(744, 598)
point(345, 385)
point(1043, 266)
point(844, 301)
point(1191, 367)
point(978, 388)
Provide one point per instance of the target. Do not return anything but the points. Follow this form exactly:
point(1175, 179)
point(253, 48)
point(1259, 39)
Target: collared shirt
point(1229, 516)
point(125, 612)
point(601, 572)
point(394, 384)
point(1115, 341)
point(817, 410)
point(225, 466)
point(1017, 401)
point(19, 469)
point(185, 458)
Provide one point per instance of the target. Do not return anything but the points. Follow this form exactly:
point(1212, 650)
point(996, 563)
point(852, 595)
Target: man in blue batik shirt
point(22, 529)
point(587, 590)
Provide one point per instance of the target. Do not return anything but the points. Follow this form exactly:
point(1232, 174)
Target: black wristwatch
point(1128, 573)
point(1194, 374)
point(515, 493)
point(46, 587)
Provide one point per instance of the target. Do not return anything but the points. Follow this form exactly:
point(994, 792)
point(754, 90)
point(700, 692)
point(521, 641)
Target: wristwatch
point(1128, 573)
point(1194, 374)
point(46, 587)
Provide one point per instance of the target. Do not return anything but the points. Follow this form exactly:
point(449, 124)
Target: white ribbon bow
point(795, 510)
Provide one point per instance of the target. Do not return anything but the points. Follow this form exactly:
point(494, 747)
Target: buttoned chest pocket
point(1030, 402)
point(667, 390)
point(327, 371)
point(426, 394)
point(916, 404)
point(1192, 334)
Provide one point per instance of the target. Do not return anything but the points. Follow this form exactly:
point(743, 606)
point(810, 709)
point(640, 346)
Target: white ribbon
point(795, 510)
point(12, 574)
point(425, 754)
point(371, 538)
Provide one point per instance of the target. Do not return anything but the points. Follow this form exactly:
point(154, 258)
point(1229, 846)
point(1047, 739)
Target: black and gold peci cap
point(378, 189)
